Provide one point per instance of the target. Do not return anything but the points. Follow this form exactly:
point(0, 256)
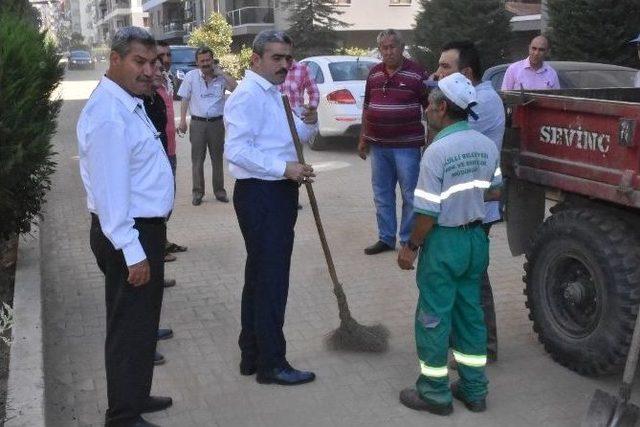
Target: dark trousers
point(203, 136)
point(133, 314)
point(267, 212)
point(488, 307)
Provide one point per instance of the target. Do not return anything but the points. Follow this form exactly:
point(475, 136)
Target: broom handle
point(337, 287)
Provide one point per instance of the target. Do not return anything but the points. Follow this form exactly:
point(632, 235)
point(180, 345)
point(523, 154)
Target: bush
point(353, 51)
point(29, 73)
point(236, 63)
point(215, 34)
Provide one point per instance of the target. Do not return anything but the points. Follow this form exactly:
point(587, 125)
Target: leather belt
point(206, 119)
point(158, 220)
point(473, 224)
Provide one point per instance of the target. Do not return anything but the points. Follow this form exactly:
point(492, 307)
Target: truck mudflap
point(525, 205)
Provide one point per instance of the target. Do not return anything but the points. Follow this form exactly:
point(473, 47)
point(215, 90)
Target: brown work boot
point(410, 398)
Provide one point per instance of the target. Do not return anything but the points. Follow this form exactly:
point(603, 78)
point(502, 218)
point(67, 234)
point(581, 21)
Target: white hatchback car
point(341, 81)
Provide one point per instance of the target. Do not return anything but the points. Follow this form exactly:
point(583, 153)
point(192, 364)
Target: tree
point(486, 22)
point(214, 34)
point(77, 40)
point(594, 30)
point(30, 70)
point(313, 26)
point(21, 8)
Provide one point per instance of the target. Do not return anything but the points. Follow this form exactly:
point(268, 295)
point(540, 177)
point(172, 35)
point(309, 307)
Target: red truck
point(571, 160)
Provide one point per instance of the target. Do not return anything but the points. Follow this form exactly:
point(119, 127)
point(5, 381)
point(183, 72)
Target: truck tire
point(582, 276)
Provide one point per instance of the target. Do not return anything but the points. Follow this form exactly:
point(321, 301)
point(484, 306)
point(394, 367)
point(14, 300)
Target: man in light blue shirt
point(463, 57)
point(262, 158)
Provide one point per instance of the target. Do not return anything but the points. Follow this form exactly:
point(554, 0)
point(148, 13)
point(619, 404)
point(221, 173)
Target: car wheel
point(318, 142)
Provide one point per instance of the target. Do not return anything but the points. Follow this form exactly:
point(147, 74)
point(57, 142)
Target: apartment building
point(115, 14)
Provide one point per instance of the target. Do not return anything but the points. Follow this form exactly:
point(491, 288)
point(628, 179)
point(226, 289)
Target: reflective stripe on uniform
point(457, 188)
point(429, 197)
point(476, 361)
point(431, 371)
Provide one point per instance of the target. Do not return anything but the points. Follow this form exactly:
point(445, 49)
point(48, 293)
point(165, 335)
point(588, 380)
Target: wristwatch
point(412, 246)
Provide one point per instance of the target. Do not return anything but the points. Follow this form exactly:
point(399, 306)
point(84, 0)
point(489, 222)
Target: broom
point(350, 335)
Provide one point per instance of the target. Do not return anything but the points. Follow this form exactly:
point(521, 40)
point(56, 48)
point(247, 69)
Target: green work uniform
point(455, 171)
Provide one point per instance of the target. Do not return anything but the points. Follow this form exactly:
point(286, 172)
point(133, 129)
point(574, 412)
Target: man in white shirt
point(129, 186)
point(488, 119)
point(262, 158)
point(202, 92)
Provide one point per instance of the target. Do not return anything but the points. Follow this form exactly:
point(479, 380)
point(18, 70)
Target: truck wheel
point(582, 278)
point(318, 142)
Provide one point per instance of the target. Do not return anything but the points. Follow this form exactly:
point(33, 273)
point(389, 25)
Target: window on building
point(400, 2)
point(342, 2)
point(145, 22)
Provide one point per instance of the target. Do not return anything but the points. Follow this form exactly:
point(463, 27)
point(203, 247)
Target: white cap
point(459, 90)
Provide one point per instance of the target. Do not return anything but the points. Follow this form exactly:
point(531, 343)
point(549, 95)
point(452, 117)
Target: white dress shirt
point(206, 99)
point(123, 166)
point(258, 141)
point(490, 123)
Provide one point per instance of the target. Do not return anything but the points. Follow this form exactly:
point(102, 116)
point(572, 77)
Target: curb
point(25, 390)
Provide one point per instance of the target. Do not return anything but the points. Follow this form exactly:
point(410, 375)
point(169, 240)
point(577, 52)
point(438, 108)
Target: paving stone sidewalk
point(527, 388)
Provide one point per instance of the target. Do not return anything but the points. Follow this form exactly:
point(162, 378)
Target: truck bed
point(584, 141)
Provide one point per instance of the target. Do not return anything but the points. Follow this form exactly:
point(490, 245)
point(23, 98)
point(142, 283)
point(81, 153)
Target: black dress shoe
point(165, 333)
point(196, 200)
point(222, 198)
point(285, 376)
point(158, 359)
point(156, 403)
point(169, 283)
point(410, 398)
point(377, 248)
point(247, 368)
point(472, 405)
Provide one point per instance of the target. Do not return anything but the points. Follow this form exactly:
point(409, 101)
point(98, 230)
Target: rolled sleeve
point(496, 180)
point(240, 148)
point(427, 195)
point(108, 158)
point(184, 91)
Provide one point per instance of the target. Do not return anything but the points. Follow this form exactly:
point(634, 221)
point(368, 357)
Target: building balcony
point(250, 20)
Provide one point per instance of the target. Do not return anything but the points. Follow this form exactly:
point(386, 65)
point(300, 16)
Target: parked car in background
point(341, 81)
point(183, 60)
point(576, 75)
point(81, 59)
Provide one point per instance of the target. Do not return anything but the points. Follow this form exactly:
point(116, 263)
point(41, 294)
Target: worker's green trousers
point(450, 269)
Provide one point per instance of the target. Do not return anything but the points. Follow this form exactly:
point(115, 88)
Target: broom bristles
point(352, 336)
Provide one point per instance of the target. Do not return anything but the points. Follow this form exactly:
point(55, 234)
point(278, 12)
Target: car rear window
point(350, 70)
point(80, 54)
point(594, 79)
point(183, 55)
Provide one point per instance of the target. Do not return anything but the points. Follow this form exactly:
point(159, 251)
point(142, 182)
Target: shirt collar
point(453, 128)
point(542, 69)
point(130, 102)
point(264, 83)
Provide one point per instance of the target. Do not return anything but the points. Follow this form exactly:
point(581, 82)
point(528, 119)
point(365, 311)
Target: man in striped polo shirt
point(392, 130)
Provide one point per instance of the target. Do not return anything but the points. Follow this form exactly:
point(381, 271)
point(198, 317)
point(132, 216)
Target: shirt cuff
point(278, 168)
point(133, 253)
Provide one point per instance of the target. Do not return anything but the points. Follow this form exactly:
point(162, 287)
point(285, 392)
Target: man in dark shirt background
point(392, 130)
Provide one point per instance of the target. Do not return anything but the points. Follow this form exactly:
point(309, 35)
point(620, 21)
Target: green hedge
point(29, 73)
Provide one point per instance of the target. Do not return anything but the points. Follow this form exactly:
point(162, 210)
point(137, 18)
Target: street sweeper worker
point(262, 158)
point(458, 172)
